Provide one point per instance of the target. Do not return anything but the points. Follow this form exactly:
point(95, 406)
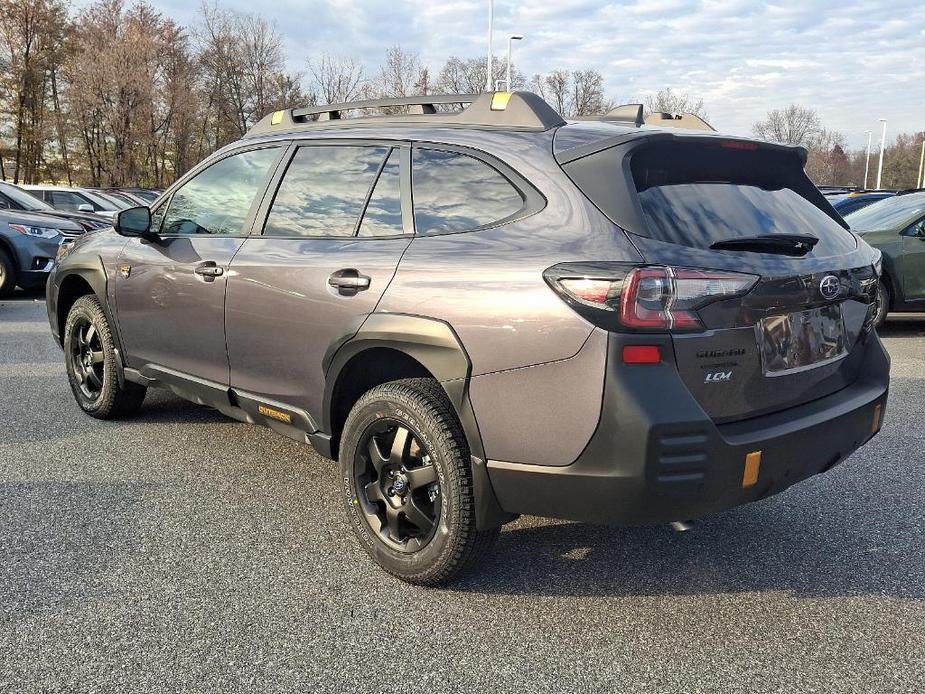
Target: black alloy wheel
point(87, 358)
point(408, 484)
point(93, 365)
point(400, 490)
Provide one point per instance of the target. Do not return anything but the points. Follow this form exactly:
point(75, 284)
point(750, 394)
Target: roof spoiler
point(502, 110)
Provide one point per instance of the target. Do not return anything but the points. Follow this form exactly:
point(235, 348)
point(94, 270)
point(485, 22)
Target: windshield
point(24, 199)
point(892, 213)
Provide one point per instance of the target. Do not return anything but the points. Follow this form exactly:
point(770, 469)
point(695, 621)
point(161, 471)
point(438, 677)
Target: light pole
point(921, 163)
point(491, 30)
point(867, 163)
point(510, 41)
point(882, 145)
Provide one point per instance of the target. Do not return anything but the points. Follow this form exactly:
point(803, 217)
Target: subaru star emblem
point(829, 287)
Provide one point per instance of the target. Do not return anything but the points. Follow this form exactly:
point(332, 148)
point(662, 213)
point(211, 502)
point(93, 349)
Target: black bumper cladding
point(657, 457)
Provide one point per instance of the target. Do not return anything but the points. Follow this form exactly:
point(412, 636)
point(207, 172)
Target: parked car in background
point(15, 198)
point(29, 245)
point(129, 199)
point(897, 227)
point(76, 200)
point(851, 202)
point(149, 195)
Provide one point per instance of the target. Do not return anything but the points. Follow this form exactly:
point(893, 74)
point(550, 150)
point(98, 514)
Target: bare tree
point(587, 93)
point(467, 75)
point(572, 94)
point(827, 163)
point(794, 125)
point(399, 74)
point(668, 101)
point(337, 79)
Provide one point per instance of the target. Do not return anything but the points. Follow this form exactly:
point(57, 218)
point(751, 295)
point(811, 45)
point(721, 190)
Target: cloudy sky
point(854, 62)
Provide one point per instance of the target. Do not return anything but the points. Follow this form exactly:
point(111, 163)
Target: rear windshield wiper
point(784, 244)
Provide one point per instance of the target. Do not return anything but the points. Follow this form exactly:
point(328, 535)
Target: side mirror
point(135, 222)
point(85, 208)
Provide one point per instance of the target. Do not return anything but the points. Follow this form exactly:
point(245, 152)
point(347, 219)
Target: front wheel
point(90, 359)
point(407, 483)
point(883, 304)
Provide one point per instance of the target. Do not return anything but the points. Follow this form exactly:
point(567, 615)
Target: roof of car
point(512, 114)
point(41, 186)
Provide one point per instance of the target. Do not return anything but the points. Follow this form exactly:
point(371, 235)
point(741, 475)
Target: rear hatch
point(794, 326)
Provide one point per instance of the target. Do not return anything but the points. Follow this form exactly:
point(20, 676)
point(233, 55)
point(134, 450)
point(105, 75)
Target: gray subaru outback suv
point(488, 311)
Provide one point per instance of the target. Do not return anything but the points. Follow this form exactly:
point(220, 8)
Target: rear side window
point(697, 196)
point(67, 201)
point(324, 190)
point(456, 192)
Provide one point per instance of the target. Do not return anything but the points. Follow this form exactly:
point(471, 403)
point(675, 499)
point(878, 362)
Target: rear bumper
point(657, 457)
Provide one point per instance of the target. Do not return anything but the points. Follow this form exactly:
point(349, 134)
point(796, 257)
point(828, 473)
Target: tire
point(431, 470)
point(7, 274)
point(95, 382)
point(883, 304)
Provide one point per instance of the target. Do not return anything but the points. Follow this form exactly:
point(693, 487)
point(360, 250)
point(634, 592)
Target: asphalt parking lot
point(183, 551)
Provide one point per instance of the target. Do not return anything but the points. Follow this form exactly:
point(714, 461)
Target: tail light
point(644, 298)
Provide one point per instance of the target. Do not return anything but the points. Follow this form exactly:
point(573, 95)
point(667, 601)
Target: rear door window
point(383, 211)
point(324, 190)
point(457, 192)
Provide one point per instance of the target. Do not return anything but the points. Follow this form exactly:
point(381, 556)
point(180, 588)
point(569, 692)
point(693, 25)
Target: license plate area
point(801, 340)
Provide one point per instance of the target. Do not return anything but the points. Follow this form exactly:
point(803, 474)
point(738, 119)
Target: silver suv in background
point(69, 199)
point(12, 197)
point(489, 311)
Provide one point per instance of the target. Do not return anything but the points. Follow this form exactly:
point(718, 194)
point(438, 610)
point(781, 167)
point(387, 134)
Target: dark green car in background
point(897, 227)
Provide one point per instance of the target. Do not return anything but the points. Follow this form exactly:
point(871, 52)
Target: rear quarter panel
point(532, 356)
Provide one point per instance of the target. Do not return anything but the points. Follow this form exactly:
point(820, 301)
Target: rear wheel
point(407, 483)
point(883, 304)
point(7, 274)
point(92, 369)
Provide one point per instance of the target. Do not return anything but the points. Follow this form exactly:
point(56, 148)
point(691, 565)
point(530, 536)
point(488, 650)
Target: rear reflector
point(875, 423)
point(642, 354)
point(752, 466)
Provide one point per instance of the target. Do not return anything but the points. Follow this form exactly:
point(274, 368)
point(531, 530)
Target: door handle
point(209, 270)
point(349, 281)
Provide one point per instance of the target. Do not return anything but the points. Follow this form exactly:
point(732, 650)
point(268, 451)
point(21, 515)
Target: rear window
point(699, 196)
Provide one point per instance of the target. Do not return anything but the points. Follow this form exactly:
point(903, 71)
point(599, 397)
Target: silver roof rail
point(631, 114)
point(492, 110)
point(678, 120)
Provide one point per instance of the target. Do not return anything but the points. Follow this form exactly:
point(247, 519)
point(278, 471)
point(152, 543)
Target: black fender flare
point(93, 273)
point(436, 346)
